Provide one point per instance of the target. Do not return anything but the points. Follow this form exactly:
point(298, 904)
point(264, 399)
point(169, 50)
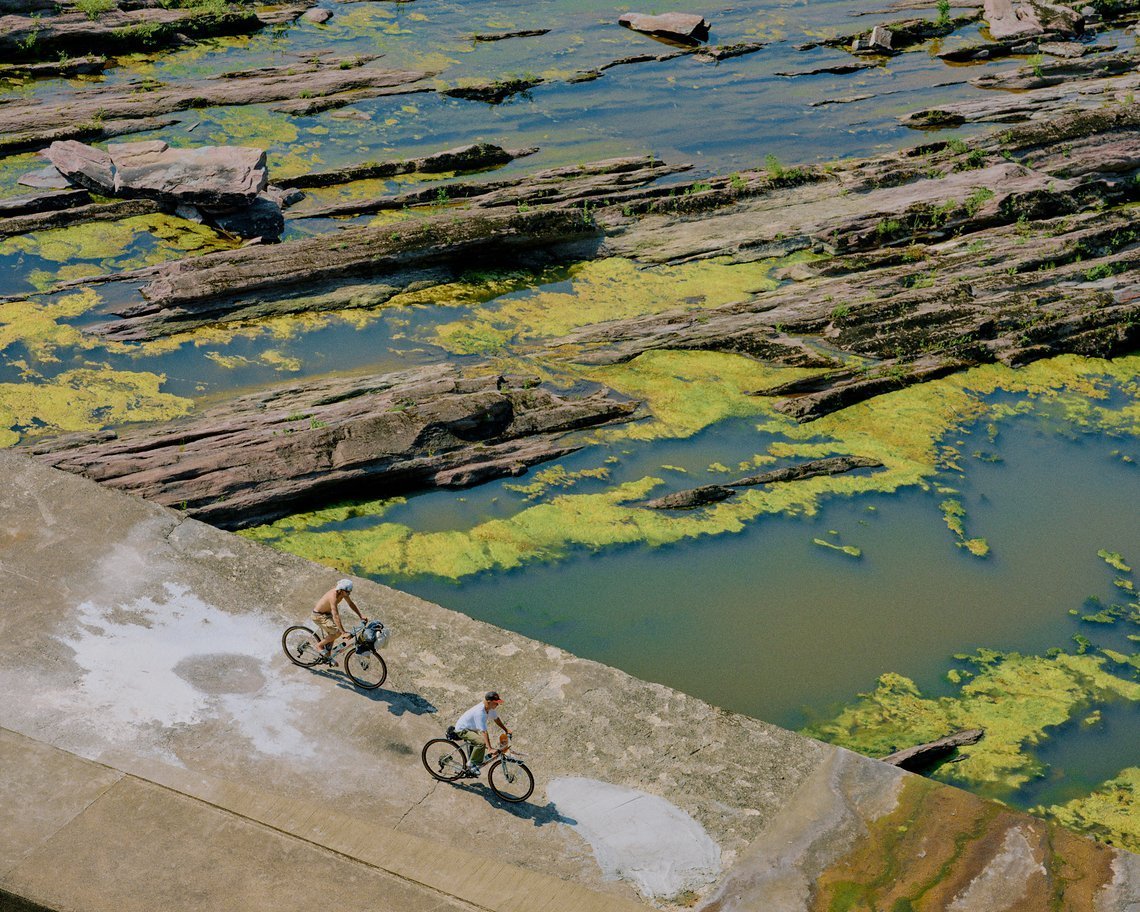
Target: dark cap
point(492, 695)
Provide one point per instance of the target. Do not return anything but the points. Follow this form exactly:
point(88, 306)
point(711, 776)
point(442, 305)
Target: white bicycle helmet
point(345, 585)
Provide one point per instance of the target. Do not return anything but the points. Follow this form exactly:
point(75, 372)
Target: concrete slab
point(150, 643)
point(41, 791)
point(141, 847)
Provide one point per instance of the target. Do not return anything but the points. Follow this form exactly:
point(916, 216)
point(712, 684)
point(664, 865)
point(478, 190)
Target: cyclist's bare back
point(326, 613)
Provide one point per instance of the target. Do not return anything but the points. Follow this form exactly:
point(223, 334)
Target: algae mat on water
point(687, 392)
point(1021, 702)
point(86, 399)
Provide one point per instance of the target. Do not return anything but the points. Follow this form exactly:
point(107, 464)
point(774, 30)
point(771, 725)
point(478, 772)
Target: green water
point(767, 623)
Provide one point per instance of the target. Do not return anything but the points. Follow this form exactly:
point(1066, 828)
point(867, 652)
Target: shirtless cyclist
point(326, 615)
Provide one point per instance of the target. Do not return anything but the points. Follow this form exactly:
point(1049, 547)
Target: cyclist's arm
point(499, 722)
point(352, 605)
point(336, 617)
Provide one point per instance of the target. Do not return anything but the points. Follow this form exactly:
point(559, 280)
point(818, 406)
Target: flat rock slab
point(35, 123)
point(283, 278)
point(472, 157)
point(261, 456)
point(687, 27)
point(211, 176)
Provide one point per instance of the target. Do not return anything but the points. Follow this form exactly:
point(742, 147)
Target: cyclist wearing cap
point(327, 617)
point(472, 728)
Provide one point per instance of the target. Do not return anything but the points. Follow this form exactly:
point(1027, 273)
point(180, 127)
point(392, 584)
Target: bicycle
point(361, 646)
point(509, 778)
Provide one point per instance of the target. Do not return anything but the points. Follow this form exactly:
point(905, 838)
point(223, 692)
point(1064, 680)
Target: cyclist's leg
point(477, 750)
point(326, 629)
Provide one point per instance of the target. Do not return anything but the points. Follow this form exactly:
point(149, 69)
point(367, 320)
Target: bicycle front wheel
point(510, 780)
point(365, 668)
point(444, 759)
point(300, 645)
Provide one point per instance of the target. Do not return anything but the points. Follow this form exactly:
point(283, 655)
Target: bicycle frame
point(502, 752)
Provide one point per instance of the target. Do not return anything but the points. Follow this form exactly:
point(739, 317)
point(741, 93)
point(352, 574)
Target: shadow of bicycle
point(539, 815)
point(399, 702)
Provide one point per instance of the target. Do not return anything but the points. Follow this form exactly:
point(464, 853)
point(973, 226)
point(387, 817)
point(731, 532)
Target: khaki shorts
point(326, 626)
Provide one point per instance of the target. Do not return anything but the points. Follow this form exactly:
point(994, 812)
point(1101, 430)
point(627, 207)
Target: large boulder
point(685, 27)
point(1007, 19)
point(83, 165)
point(210, 177)
point(222, 184)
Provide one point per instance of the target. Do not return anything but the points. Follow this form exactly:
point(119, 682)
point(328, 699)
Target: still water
point(767, 623)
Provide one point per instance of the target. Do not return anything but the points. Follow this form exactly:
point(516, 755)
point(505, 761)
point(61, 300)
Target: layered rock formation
point(262, 456)
point(223, 184)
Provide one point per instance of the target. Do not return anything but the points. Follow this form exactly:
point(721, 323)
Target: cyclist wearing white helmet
point(326, 614)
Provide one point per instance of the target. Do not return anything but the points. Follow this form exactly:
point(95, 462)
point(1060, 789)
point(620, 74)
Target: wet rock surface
point(474, 157)
point(714, 493)
point(262, 456)
point(835, 465)
point(251, 282)
point(596, 183)
point(684, 27)
point(96, 114)
point(691, 499)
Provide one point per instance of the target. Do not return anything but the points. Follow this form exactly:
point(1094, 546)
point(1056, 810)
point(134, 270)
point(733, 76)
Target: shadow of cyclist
point(399, 702)
point(539, 815)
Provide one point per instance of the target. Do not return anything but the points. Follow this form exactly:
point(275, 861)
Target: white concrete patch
point(151, 666)
point(638, 837)
point(1005, 880)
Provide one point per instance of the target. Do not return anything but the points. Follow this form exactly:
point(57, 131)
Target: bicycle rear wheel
point(444, 759)
point(510, 779)
point(300, 645)
point(365, 668)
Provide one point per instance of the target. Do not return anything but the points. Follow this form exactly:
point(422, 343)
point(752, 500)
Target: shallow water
point(767, 623)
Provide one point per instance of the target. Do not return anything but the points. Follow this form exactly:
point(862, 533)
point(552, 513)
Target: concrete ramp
point(84, 836)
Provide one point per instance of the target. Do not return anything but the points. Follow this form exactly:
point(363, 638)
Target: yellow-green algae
point(1111, 812)
point(37, 325)
point(12, 168)
point(40, 327)
point(954, 513)
point(609, 289)
point(687, 391)
point(1014, 697)
point(115, 245)
point(85, 399)
point(555, 476)
point(849, 550)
